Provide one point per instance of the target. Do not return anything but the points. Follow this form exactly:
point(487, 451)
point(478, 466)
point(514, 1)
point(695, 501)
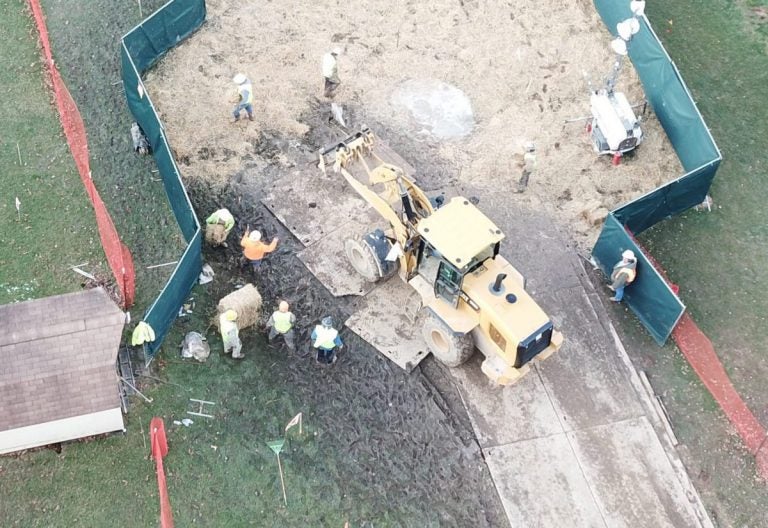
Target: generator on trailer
point(471, 296)
point(614, 127)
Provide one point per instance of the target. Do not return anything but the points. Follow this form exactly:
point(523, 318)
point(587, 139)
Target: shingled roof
point(57, 358)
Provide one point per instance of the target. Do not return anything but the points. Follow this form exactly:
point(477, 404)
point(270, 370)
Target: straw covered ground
point(524, 67)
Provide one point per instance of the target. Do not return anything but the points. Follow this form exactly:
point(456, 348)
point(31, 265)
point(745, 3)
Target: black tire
point(451, 350)
point(361, 257)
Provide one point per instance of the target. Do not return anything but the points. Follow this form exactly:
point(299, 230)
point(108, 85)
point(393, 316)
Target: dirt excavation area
point(457, 88)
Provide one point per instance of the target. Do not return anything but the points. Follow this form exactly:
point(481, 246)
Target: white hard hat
point(336, 51)
point(628, 255)
point(283, 306)
point(255, 236)
point(240, 78)
point(530, 146)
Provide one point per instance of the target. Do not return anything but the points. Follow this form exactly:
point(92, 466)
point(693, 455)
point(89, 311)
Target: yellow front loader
point(449, 253)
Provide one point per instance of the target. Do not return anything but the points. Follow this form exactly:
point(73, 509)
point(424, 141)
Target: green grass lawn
point(57, 227)
point(85, 38)
point(719, 258)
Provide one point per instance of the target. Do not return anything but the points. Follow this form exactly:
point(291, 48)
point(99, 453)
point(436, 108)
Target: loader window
point(477, 260)
point(448, 283)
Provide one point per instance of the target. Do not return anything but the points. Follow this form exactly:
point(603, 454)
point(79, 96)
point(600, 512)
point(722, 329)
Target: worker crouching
point(281, 324)
point(218, 227)
point(326, 340)
point(230, 334)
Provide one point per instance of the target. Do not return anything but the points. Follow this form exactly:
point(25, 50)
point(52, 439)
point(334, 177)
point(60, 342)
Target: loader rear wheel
point(450, 349)
point(362, 258)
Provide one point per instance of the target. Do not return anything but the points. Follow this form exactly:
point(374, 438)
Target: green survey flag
point(277, 445)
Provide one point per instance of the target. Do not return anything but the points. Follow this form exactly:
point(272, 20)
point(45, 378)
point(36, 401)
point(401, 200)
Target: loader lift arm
point(398, 200)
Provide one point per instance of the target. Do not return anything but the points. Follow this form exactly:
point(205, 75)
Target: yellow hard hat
point(230, 315)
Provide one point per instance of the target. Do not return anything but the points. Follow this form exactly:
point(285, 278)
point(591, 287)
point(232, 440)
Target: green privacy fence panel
point(672, 103)
point(649, 296)
point(177, 193)
point(165, 309)
point(164, 29)
point(668, 200)
point(139, 102)
point(140, 49)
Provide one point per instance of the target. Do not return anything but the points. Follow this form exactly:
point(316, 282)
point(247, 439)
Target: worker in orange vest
point(624, 273)
point(254, 249)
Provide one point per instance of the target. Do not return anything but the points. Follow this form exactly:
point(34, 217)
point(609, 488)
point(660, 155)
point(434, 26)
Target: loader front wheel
point(450, 349)
point(362, 258)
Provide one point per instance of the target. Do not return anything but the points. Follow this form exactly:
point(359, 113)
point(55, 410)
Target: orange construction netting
point(118, 255)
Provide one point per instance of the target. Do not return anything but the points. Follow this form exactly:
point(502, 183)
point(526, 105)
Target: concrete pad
point(327, 261)
point(632, 479)
point(382, 321)
point(541, 484)
point(311, 205)
point(501, 415)
point(587, 380)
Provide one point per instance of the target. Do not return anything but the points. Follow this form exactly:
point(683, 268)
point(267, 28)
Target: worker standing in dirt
point(624, 273)
point(230, 334)
point(529, 165)
point(224, 218)
point(326, 340)
point(281, 323)
point(245, 96)
point(331, 71)
point(254, 249)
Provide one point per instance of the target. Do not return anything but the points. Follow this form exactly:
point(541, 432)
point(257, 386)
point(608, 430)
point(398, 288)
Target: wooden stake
point(163, 264)
point(282, 480)
point(18, 151)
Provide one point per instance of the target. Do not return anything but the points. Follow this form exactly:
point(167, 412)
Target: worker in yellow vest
point(281, 323)
point(326, 340)
point(624, 273)
point(230, 334)
point(221, 217)
point(245, 93)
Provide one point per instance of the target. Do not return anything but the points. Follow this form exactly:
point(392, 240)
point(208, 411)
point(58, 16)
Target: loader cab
point(455, 240)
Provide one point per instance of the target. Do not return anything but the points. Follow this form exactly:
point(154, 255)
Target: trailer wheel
point(451, 350)
point(362, 258)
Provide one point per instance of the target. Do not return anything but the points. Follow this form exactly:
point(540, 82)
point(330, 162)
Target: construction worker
point(254, 249)
point(326, 340)
point(529, 165)
point(225, 218)
point(624, 273)
point(230, 334)
point(331, 71)
point(281, 323)
point(245, 93)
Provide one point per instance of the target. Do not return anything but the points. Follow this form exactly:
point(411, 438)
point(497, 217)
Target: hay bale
point(246, 302)
point(597, 216)
point(215, 234)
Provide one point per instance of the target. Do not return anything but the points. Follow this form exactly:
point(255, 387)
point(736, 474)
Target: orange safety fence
point(159, 450)
point(118, 255)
